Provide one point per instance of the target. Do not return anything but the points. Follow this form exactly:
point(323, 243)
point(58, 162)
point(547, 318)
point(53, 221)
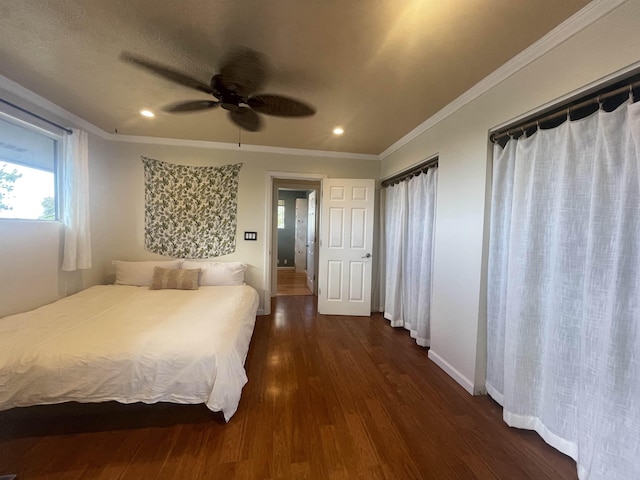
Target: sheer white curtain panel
point(564, 289)
point(75, 201)
point(409, 230)
point(395, 226)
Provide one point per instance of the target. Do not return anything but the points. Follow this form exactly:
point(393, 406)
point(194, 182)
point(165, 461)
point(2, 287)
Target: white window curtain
point(75, 201)
point(409, 230)
point(564, 289)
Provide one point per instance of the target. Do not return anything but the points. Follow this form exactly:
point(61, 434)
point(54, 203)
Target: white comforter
point(130, 344)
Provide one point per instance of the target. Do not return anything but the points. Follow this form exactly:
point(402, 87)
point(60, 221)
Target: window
point(27, 171)
point(280, 213)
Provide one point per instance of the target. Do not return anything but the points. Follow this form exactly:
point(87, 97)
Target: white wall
point(30, 251)
point(458, 322)
point(122, 196)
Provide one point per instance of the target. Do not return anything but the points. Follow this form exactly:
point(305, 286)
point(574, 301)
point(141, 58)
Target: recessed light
point(338, 131)
point(147, 113)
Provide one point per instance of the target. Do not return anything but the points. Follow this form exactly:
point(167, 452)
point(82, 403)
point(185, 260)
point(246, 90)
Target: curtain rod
point(24, 110)
point(411, 172)
point(564, 112)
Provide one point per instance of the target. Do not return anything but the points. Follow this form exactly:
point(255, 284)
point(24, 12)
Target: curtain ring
point(599, 100)
point(631, 93)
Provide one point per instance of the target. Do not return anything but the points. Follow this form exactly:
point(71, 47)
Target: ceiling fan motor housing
point(229, 99)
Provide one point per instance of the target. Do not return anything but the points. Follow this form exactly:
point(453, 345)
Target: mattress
point(130, 344)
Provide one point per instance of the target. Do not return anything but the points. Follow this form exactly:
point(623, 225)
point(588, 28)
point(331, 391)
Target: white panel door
point(300, 255)
point(311, 242)
point(346, 243)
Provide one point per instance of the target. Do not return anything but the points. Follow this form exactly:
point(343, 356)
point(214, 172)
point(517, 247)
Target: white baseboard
point(451, 371)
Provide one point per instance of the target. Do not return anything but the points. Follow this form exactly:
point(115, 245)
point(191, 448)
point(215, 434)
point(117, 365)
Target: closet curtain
point(409, 230)
point(75, 201)
point(564, 289)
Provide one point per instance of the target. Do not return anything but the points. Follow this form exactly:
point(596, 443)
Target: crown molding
point(244, 147)
point(567, 29)
point(35, 99)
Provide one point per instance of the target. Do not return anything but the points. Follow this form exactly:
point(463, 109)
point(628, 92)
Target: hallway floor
point(291, 282)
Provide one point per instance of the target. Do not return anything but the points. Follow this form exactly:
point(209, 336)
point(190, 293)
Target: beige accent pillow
point(175, 278)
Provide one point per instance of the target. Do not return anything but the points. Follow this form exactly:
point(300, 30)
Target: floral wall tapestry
point(190, 212)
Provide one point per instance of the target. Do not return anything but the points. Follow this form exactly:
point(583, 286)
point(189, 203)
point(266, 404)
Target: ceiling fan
point(235, 88)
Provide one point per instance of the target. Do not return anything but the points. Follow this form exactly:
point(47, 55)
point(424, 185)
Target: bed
point(130, 344)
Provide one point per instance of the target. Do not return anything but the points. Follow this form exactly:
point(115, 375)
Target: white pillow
point(140, 274)
point(218, 273)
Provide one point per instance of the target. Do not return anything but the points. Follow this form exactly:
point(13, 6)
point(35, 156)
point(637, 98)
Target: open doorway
point(294, 228)
point(292, 235)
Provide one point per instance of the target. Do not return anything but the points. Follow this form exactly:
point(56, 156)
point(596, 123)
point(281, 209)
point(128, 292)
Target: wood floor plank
point(328, 397)
point(291, 282)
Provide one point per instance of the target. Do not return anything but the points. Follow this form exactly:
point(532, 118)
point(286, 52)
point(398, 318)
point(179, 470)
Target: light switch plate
point(247, 236)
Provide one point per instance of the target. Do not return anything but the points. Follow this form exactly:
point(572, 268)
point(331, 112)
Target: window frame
point(281, 204)
point(57, 155)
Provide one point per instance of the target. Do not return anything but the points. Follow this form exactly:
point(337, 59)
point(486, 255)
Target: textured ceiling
point(378, 68)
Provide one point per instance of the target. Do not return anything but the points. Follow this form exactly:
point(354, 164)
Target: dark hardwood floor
point(328, 398)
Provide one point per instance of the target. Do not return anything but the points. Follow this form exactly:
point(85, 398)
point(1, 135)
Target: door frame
point(275, 180)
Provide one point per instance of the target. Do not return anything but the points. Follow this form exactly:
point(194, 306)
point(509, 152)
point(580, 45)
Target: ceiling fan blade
point(167, 73)
point(246, 119)
point(280, 105)
point(243, 71)
point(190, 106)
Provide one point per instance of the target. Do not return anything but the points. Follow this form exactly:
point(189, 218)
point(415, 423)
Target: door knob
point(368, 255)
